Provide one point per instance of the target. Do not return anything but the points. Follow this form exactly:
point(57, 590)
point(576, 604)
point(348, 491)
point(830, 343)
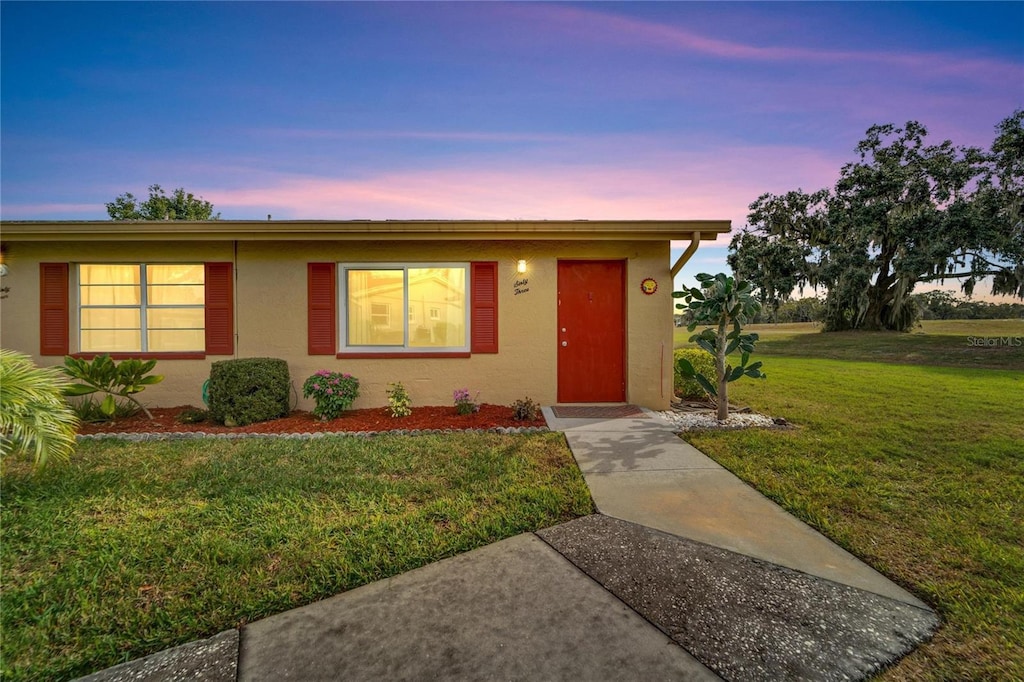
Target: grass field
point(135, 547)
point(989, 344)
point(916, 468)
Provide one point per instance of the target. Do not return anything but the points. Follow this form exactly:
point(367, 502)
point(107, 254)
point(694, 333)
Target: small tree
point(721, 302)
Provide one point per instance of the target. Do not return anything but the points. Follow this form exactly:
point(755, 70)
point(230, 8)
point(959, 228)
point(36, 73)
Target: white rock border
point(690, 421)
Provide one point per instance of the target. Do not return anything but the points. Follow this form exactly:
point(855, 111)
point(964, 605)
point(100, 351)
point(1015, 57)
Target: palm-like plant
point(35, 420)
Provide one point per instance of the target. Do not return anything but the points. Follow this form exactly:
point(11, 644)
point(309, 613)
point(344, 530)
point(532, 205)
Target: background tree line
point(930, 305)
point(904, 213)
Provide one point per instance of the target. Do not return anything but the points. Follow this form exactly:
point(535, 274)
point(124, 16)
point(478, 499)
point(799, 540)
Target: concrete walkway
point(640, 471)
point(686, 573)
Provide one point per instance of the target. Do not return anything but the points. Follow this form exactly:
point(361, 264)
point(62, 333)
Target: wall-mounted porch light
point(521, 266)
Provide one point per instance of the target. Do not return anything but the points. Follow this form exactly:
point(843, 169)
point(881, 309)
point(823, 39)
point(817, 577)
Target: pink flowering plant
point(333, 392)
point(464, 404)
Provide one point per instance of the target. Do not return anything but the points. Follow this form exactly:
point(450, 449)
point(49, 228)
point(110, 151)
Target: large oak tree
point(906, 212)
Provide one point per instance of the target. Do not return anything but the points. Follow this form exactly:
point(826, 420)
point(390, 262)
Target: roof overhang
point(355, 230)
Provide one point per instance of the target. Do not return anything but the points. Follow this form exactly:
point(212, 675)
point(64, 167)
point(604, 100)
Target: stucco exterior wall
point(19, 312)
point(271, 309)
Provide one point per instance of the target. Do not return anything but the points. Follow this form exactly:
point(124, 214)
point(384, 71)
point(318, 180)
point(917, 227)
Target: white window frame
point(144, 306)
point(344, 269)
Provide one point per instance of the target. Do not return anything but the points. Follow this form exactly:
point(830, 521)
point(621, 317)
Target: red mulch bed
point(165, 420)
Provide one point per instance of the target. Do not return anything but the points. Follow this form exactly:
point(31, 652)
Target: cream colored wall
point(19, 312)
point(270, 315)
point(649, 328)
point(525, 366)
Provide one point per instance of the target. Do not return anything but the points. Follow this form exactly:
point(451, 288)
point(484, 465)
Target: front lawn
point(136, 547)
point(990, 344)
point(919, 471)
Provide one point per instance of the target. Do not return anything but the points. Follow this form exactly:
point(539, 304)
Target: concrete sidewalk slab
point(647, 474)
point(748, 620)
point(716, 508)
point(214, 660)
point(650, 423)
point(609, 451)
point(512, 610)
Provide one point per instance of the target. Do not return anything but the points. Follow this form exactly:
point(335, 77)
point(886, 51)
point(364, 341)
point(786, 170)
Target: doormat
point(598, 412)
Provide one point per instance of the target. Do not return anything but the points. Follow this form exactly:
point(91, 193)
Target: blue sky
point(481, 110)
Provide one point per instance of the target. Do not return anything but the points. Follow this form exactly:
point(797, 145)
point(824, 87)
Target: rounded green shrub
point(703, 362)
point(249, 390)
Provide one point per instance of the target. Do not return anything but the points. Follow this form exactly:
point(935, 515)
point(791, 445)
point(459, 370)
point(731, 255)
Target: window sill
point(195, 355)
point(391, 355)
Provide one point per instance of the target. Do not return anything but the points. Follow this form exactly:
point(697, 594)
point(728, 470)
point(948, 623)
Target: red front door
point(591, 332)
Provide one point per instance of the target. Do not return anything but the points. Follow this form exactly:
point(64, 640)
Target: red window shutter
point(53, 308)
point(321, 298)
point(484, 307)
point(220, 309)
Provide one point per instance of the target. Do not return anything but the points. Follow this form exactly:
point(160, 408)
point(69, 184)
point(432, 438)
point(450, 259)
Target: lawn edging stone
point(189, 435)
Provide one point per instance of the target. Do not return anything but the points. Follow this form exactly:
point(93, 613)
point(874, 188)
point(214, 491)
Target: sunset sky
point(481, 110)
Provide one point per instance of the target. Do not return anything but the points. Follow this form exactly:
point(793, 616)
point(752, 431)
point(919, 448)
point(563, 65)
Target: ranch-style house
point(558, 311)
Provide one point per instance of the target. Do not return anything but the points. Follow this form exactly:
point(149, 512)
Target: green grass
point(133, 548)
point(950, 343)
point(918, 470)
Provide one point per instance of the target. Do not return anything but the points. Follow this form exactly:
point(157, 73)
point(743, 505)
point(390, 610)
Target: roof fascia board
point(321, 230)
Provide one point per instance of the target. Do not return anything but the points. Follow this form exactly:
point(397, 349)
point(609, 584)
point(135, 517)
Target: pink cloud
point(615, 28)
point(609, 177)
point(621, 179)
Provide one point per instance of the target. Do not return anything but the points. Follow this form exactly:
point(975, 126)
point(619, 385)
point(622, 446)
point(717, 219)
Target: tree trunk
point(723, 397)
point(879, 300)
point(880, 296)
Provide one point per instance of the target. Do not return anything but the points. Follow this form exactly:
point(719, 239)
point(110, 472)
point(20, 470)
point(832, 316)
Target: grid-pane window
point(434, 298)
point(141, 308)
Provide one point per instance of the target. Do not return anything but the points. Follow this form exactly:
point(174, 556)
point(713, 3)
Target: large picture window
point(141, 308)
point(434, 296)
